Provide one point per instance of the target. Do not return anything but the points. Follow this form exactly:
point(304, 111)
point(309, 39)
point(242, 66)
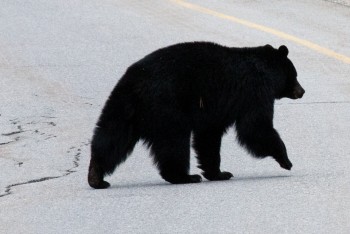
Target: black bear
point(198, 88)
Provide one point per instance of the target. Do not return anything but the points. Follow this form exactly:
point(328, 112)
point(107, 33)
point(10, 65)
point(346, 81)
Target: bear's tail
point(113, 140)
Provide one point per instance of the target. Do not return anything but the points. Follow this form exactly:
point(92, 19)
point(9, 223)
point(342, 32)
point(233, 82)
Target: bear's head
point(290, 87)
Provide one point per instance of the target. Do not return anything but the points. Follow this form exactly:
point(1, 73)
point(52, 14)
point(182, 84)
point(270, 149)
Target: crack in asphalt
point(68, 172)
point(9, 142)
point(12, 133)
point(5, 143)
point(9, 187)
point(76, 164)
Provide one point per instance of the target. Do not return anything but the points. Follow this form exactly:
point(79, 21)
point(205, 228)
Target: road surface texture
point(59, 60)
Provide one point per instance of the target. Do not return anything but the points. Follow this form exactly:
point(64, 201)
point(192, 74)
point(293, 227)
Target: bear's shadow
point(232, 180)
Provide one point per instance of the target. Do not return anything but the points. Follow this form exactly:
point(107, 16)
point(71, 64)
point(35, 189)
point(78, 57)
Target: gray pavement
point(59, 60)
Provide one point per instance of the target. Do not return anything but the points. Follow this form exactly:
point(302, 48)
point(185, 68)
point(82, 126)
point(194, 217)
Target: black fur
point(200, 88)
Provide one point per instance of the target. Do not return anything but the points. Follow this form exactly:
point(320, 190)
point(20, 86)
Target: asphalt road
point(59, 60)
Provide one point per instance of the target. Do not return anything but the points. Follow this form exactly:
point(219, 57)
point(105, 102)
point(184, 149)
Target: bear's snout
point(298, 91)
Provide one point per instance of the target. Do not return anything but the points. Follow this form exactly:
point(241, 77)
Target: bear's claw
point(185, 179)
point(101, 185)
point(195, 178)
point(224, 175)
point(286, 164)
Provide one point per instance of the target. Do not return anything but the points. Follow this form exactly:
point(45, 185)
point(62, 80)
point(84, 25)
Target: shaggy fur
point(200, 88)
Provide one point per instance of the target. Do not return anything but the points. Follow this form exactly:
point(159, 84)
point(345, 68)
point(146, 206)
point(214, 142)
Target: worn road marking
point(286, 36)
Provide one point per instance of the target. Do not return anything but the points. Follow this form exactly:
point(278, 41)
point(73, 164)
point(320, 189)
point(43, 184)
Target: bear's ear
point(283, 50)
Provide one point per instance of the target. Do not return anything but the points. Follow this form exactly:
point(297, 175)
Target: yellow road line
point(286, 36)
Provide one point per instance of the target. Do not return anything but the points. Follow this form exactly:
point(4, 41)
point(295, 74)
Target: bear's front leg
point(207, 145)
point(256, 133)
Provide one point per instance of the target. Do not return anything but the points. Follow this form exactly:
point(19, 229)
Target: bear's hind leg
point(172, 157)
point(207, 146)
point(96, 174)
point(109, 148)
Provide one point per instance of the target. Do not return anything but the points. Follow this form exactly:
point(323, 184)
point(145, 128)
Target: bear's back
point(185, 58)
